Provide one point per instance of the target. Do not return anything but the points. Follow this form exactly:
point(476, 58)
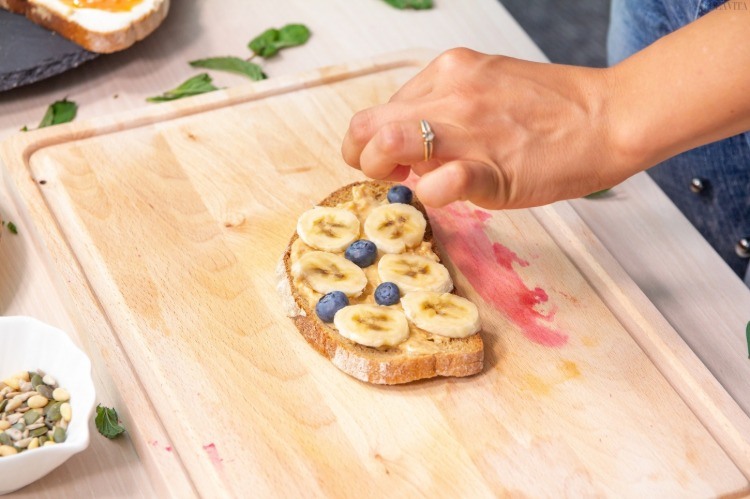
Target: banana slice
point(414, 273)
point(326, 272)
point(444, 314)
point(395, 227)
point(328, 229)
point(372, 325)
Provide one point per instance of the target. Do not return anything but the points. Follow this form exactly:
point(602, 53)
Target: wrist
point(633, 145)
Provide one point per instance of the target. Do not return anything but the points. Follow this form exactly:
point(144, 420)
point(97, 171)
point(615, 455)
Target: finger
point(366, 123)
point(401, 143)
point(426, 166)
point(399, 174)
point(474, 181)
point(419, 86)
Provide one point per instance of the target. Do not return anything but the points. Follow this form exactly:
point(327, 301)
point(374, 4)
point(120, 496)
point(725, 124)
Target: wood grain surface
point(165, 227)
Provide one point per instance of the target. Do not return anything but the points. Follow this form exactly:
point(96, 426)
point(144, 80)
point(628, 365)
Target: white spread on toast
point(414, 267)
point(101, 21)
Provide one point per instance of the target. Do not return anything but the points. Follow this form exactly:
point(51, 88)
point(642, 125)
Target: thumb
point(461, 180)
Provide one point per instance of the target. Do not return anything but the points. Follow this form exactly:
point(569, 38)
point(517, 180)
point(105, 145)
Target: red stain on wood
point(168, 448)
point(489, 267)
point(213, 455)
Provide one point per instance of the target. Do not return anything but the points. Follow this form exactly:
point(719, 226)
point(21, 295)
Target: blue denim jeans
point(719, 172)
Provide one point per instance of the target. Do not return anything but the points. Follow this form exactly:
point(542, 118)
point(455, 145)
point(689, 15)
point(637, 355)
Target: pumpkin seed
point(4, 425)
point(20, 426)
point(53, 414)
point(5, 439)
point(38, 432)
point(3, 403)
point(44, 391)
point(42, 439)
point(59, 435)
point(30, 417)
point(36, 380)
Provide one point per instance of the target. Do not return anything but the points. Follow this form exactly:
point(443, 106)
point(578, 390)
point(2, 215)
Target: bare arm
point(512, 133)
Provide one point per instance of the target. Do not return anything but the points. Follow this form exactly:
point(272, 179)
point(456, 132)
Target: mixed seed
point(34, 412)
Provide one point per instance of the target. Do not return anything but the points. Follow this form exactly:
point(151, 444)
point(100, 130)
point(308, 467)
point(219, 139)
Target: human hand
point(508, 133)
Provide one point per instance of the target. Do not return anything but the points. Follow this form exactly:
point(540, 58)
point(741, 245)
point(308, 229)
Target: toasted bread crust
point(461, 356)
point(101, 42)
point(15, 6)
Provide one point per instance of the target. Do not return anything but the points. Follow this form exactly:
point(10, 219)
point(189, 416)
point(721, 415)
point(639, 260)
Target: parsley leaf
point(410, 4)
point(61, 111)
point(233, 65)
point(12, 228)
point(106, 422)
point(268, 43)
point(199, 84)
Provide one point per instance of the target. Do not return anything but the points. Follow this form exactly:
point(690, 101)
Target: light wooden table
point(660, 250)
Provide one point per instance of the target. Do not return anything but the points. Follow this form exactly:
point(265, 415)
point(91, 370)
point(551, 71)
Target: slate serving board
point(30, 53)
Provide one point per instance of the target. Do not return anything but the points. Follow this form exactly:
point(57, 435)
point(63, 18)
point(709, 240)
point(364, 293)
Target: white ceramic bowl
point(28, 344)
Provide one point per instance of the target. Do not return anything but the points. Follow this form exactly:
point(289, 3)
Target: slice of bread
point(114, 26)
point(390, 365)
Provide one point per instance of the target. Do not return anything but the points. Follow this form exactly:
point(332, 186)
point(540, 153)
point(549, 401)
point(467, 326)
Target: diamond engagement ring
point(428, 136)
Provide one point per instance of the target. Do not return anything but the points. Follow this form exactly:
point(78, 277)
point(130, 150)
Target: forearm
point(689, 88)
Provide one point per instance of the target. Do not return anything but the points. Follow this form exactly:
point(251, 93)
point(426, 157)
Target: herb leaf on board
point(410, 4)
point(196, 85)
point(597, 194)
point(62, 111)
point(232, 65)
point(268, 43)
point(106, 422)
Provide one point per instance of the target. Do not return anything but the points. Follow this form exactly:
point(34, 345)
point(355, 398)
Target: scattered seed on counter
point(34, 412)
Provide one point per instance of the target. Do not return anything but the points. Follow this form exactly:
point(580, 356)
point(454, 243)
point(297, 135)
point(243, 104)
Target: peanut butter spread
point(364, 200)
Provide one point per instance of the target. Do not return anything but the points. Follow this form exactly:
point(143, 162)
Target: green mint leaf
point(199, 84)
point(12, 228)
point(597, 193)
point(410, 4)
point(61, 111)
point(25, 129)
point(293, 35)
point(232, 65)
point(264, 44)
point(106, 422)
point(268, 43)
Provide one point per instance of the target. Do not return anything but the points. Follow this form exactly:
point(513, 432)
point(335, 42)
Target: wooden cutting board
point(163, 228)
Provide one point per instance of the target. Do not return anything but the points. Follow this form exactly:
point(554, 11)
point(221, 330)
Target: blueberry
point(387, 294)
point(329, 304)
point(362, 252)
point(399, 194)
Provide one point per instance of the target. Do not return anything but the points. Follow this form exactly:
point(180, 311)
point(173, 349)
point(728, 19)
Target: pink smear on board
point(168, 448)
point(489, 268)
point(213, 455)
